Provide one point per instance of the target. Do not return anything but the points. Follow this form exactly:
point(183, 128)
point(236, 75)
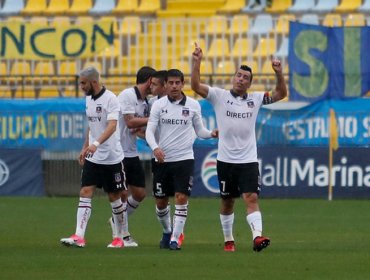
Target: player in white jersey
point(237, 166)
point(177, 117)
point(101, 157)
point(135, 112)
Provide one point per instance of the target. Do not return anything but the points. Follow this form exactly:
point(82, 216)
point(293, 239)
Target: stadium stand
point(282, 24)
point(48, 92)
point(130, 25)
point(232, 6)
point(262, 25)
point(60, 20)
point(43, 73)
point(125, 7)
point(302, 6)
point(242, 47)
point(365, 8)
point(238, 25)
point(11, 7)
point(253, 7)
point(219, 47)
point(102, 7)
point(282, 52)
point(332, 19)
point(355, 20)
point(80, 7)
point(310, 19)
point(280, 6)
point(217, 25)
point(84, 20)
point(265, 48)
point(34, 7)
point(325, 6)
point(148, 7)
point(348, 6)
point(56, 7)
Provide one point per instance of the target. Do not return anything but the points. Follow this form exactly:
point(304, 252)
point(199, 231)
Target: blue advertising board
point(292, 172)
point(21, 172)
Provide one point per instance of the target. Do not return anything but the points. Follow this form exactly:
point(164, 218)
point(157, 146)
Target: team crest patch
point(185, 112)
point(117, 177)
point(98, 109)
point(250, 104)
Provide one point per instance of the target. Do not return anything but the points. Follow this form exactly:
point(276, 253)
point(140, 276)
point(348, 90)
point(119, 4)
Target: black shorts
point(154, 165)
point(235, 179)
point(173, 177)
point(135, 175)
point(110, 177)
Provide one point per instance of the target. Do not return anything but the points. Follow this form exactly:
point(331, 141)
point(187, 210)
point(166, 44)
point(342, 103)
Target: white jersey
point(177, 121)
point(236, 119)
point(151, 101)
point(99, 110)
point(131, 103)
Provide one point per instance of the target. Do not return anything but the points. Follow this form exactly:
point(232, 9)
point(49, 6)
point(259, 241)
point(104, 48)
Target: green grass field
point(310, 239)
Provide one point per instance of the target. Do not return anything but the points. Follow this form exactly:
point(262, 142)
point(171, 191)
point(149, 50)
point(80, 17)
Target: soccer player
point(237, 166)
point(135, 110)
point(177, 117)
point(101, 157)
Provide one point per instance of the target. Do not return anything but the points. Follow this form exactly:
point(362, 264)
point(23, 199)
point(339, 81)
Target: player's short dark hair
point(247, 68)
point(161, 75)
point(175, 73)
point(144, 74)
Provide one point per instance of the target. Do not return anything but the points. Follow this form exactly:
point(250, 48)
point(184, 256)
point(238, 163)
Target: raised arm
point(196, 85)
point(280, 90)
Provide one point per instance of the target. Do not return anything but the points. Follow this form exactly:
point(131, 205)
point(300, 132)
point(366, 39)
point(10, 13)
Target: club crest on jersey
point(185, 112)
point(117, 177)
point(98, 109)
point(250, 104)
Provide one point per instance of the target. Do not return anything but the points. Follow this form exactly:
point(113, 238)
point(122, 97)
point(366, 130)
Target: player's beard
point(90, 91)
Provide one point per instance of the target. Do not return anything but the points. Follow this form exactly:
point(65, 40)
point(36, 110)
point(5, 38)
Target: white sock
point(118, 217)
point(227, 222)
point(164, 218)
point(125, 232)
point(179, 219)
point(255, 222)
point(132, 204)
point(83, 216)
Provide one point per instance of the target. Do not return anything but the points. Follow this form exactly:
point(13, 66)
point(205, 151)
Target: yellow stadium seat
point(355, 20)
point(280, 6)
point(219, 47)
point(17, 19)
point(67, 71)
point(224, 71)
point(332, 20)
point(252, 63)
point(49, 92)
point(216, 25)
point(190, 46)
point(125, 6)
point(127, 65)
point(232, 6)
point(57, 7)
point(130, 25)
point(43, 72)
point(34, 7)
point(265, 47)
point(282, 24)
point(6, 93)
point(267, 71)
point(239, 24)
point(3, 69)
point(348, 6)
point(80, 7)
point(206, 67)
point(19, 69)
point(27, 92)
point(148, 7)
point(243, 47)
point(183, 66)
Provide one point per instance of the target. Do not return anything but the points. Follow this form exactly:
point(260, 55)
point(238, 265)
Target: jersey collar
point(94, 97)
point(138, 95)
point(182, 102)
point(244, 96)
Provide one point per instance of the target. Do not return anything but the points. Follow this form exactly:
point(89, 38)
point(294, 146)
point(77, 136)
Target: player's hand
point(197, 53)
point(159, 155)
point(214, 133)
point(276, 65)
point(81, 157)
point(89, 151)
